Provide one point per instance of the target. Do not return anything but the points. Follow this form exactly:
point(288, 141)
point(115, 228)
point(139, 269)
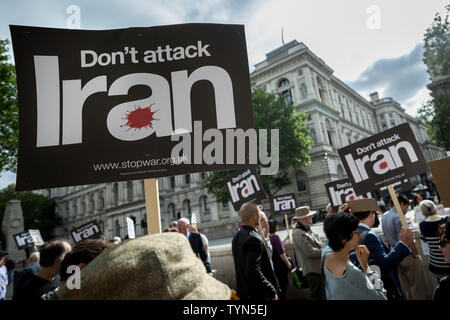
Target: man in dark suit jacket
point(196, 242)
point(22, 277)
point(380, 255)
point(255, 278)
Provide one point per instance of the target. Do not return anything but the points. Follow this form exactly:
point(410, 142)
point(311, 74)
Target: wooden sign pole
point(287, 226)
point(152, 206)
point(400, 214)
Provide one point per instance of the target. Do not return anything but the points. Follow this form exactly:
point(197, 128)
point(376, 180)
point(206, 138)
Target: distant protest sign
point(86, 231)
point(126, 104)
point(284, 204)
point(28, 239)
point(341, 191)
point(440, 169)
point(383, 159)
point(244, 186)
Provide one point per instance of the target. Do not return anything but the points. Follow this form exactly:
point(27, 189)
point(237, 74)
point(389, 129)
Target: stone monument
point(12, 224)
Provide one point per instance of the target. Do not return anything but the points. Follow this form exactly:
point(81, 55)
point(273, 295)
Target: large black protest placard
point(244, 186)
point(340, 191)
point(86, 231)
point(107, 105)
point(284, 204)
point(383, 159)
point(28, 239)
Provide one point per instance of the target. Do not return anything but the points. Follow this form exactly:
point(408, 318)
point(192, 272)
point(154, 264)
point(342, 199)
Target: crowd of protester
point(356, 260)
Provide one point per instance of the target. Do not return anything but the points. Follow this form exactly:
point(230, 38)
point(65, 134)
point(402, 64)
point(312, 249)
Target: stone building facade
point(338, 116)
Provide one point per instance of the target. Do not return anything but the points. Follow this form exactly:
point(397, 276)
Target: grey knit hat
point(155, 267)
point(428, 208)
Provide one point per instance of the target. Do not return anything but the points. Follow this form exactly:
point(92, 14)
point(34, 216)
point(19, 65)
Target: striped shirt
point(430, 232)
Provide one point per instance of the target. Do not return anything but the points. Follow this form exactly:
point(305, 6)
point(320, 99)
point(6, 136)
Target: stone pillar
point(12, 224)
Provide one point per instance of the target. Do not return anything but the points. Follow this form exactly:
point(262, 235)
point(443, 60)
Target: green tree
point(9, 121)
point(271, 112)
point(436, 111)
point(38, 211)
point(436, 114)
point(437, 46)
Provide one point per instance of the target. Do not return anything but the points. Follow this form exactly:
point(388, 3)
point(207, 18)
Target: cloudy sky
point(372, 45)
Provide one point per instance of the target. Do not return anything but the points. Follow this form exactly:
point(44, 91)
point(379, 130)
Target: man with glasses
point(380, 255)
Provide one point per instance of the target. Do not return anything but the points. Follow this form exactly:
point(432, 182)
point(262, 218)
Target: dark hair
point(445, 234)
point(403, 199)
point(52, 250)
point(338, 227)
point(362, 214)
point(273, 225)
point(84, 252)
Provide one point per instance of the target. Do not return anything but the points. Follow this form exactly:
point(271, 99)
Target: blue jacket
point(381, 256)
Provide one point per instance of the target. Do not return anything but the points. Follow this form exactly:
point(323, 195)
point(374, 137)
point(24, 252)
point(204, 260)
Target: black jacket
point(255, 278)
point(199, 249)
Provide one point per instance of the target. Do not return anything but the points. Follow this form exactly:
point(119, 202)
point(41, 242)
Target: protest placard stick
point(287, 226)
point(401, 215)
point(152, 205)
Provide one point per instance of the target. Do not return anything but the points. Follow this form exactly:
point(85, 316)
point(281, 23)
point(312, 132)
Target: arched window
point(301, 181)
point(102, 200)
point(92, 202)
point(172, 212)
point(101, 225)
point(115, 194)
point(204, 204)
point(130, 190)
point(117, 227)
point(283, 82)
point(187, 207)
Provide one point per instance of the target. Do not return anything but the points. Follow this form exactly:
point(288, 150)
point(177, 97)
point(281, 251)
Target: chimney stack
point(374, 96)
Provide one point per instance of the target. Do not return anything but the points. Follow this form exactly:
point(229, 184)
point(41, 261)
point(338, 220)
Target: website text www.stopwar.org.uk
point(138, 164)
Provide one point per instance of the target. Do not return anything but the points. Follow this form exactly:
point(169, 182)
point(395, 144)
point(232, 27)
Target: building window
point(92, 202)
point(384, 126)
point(101, 225)
point(188, 179)
point(172, 182)
point(286, 95)
point(187, 207)
point(225, 204)
point(300, 72)
point(102, 200)
point(301, 181)
point(382, 117)
point(172, 211)
point(204, 203)
point(117, 228)
point(130, 190)
point(392, 124)
point(312, 134)
point(283, 82)
point(203, 175)
point(116, 193)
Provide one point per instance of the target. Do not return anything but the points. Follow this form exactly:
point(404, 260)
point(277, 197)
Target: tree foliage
point(271, 112)
point(38, 211)
point(436, 115)
point(9, 121)
point(437, 46)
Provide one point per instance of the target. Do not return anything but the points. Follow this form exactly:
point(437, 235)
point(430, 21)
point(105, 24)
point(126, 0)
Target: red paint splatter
point(352, 198)
point(283, 207)
point(140, 118)
point(383, 165)
point(246, 191)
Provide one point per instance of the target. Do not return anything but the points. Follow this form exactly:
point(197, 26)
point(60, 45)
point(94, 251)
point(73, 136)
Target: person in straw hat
point(308, 250)
point(154, 267)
